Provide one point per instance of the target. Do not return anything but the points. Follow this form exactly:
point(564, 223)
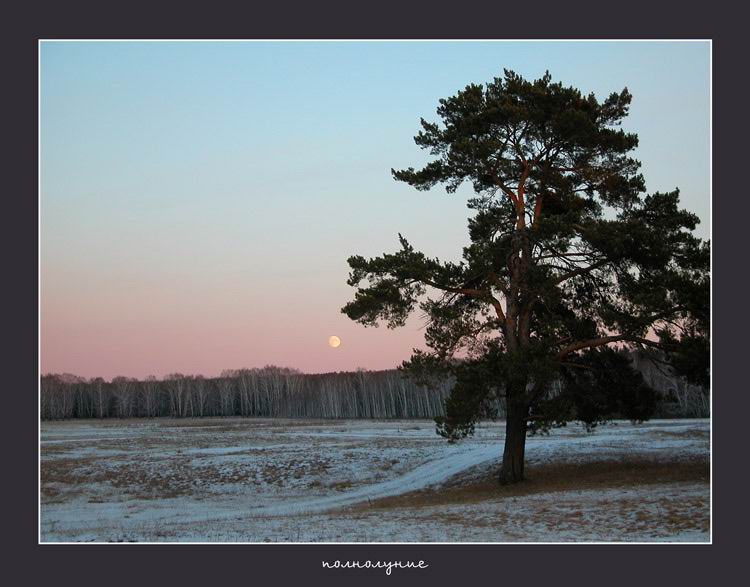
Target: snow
point(426, 475)
point(254, 480)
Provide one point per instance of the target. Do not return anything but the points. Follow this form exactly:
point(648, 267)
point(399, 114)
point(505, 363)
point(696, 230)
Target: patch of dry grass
point(552, 478)
point(683, 434)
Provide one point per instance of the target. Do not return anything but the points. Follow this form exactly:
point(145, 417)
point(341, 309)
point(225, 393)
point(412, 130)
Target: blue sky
point(199, 200)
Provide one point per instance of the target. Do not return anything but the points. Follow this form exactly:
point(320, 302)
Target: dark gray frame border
point(243, 564)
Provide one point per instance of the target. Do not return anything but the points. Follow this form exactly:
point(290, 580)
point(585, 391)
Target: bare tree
point(124, 388)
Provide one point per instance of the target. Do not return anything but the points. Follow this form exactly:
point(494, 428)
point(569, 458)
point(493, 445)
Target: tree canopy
point(569, 260)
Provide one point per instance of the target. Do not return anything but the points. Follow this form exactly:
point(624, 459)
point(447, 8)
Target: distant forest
point(277, 392)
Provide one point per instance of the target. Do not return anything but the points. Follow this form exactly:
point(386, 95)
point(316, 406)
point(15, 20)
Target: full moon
point(334, 341)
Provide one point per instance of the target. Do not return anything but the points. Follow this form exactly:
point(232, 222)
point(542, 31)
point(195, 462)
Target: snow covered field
point(259, 480)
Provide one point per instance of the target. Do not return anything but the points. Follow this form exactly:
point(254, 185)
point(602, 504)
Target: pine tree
point(570, 263)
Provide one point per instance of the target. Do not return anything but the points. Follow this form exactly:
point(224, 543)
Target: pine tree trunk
point(515, 443)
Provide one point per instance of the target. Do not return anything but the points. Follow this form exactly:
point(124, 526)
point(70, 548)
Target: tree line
point(277, 392)
point(273, 392)
point(677, 396)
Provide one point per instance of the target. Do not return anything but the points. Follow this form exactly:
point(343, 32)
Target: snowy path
point(423, 476)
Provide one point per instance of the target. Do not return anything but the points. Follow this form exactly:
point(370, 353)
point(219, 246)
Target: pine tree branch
point(603, 340)
point(474, 293)
point(581, 271)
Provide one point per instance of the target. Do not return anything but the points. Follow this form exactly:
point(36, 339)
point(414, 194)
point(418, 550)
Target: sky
point(199, 199)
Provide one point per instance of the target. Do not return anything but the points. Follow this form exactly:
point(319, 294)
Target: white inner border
point(39, 257)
